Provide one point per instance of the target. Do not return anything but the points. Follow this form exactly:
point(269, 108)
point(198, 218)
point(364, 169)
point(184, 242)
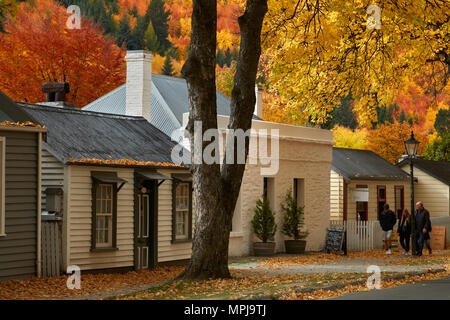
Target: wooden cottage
point(20, 185)
point(123, 203)
point(361, 182)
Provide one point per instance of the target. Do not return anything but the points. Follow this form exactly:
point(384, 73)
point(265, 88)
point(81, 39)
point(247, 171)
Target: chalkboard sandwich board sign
point(334, 239)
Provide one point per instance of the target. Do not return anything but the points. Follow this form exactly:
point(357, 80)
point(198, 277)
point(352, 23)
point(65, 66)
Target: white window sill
point(236, 234)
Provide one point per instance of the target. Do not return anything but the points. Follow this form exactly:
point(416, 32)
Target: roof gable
point(9, 111)
point(355, 164)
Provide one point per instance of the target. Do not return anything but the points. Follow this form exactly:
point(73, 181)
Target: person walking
point(423, 226)
point(404, 230)
point(387, 222)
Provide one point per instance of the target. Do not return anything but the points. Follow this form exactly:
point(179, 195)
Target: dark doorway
point(362, 212)
point(381, 199)
point(145, 224)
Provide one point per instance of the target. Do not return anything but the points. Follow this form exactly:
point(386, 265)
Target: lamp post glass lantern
point(411, 146)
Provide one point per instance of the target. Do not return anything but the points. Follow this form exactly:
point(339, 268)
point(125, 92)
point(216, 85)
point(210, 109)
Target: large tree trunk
point(216, 189)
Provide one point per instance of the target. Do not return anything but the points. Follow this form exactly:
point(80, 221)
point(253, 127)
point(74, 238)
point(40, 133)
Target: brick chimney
point(139, 83)
point(56, 94)
point(259, 101)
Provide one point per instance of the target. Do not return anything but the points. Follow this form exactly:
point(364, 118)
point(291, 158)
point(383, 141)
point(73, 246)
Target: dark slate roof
point(437, 169)
point(10, 112)
point(74, 133)
point(355, 164)
point(169, 100)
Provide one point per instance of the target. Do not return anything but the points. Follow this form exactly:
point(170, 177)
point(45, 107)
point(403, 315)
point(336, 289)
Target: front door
point(143, 231)
point(145, 243)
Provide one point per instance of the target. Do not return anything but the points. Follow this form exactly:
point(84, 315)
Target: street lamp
point(411, 146)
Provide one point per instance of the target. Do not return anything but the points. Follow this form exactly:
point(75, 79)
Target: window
point(104, 215)
point(399, 200)
point(53, 200)
point(299, 191)
point(104, 209)
point(182, 211)
point(2, 185)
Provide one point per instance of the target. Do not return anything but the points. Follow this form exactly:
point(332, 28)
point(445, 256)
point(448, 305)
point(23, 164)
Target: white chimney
point(139, 83)
point(259, 101)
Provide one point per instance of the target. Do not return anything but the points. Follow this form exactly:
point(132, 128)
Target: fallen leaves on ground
point(327, 294)
point(91, 284)
point(438, 257)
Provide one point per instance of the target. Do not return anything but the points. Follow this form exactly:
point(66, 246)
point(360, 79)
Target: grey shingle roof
point(169, 100)
point(355, 164)
point(437, 169)
point(74, 133)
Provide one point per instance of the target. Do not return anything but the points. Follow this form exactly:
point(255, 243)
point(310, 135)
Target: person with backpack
point(404, 231)
point(387, 222)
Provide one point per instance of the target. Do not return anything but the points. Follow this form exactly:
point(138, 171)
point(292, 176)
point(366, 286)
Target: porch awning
point(108, 177)
point(182, 177)
point(154, 176)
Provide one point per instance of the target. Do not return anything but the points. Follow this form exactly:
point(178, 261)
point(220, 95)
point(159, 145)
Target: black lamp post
point(411, 146)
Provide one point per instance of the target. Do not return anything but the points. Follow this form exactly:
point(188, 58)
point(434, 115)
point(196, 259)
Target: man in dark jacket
point(387, 222)
point(423, 226)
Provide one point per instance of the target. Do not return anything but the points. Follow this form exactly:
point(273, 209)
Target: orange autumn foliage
point(125, 162)
point(38, 47)
point(388, 140)
point(21, 124)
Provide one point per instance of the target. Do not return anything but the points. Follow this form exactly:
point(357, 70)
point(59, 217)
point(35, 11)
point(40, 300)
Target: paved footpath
point(426, 290)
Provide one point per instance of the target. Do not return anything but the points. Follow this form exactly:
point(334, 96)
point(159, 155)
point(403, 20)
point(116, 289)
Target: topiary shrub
point(263, 222)
point(294, 218)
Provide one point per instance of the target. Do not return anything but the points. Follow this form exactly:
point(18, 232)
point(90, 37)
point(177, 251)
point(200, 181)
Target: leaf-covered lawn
point(91, 284)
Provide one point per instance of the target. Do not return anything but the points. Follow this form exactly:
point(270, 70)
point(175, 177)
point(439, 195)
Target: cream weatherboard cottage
point(361, 182)
point(123, 203)
point(304, 157)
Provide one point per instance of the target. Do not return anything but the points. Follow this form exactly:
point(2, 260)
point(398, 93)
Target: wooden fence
point(361, 235)
point(51, 244)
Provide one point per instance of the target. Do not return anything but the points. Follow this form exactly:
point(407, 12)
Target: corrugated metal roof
point(10, 112)
point(77, 134)
point(169, 100)
point(355, 164)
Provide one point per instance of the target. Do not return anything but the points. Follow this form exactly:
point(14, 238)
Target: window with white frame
point(2, 185)
point(182, 211)
point(104, 215)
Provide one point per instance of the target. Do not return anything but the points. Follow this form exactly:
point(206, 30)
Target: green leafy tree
point(439, 149)
point(263, 222)
point(167, 68)
point(442, 122)
point(294, 219)
point(136, 40)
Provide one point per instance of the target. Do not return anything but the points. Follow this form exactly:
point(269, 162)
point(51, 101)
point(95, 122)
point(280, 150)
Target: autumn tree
point(216, 187)
point(388, 140)
point(158, 15)
point(7, 8)
point(38, 47)
point(323, 50)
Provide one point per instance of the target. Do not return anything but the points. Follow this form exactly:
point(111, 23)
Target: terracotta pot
point(264, 248)
point(295, 246)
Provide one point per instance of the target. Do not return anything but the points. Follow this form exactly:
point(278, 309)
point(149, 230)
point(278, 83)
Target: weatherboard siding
point(168, 251)
point(80, 219)
point(336, 196)
point(18, 248)
point(433, 193)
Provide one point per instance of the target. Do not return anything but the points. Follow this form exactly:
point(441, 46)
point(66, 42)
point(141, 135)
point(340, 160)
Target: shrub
point(263, 222)
point(293, 218)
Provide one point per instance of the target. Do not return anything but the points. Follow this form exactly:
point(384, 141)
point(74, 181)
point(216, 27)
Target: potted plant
point(293, 225)
point(264, 226)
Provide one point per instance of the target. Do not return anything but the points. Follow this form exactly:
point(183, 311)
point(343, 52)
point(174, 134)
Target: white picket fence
point(361, 235)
